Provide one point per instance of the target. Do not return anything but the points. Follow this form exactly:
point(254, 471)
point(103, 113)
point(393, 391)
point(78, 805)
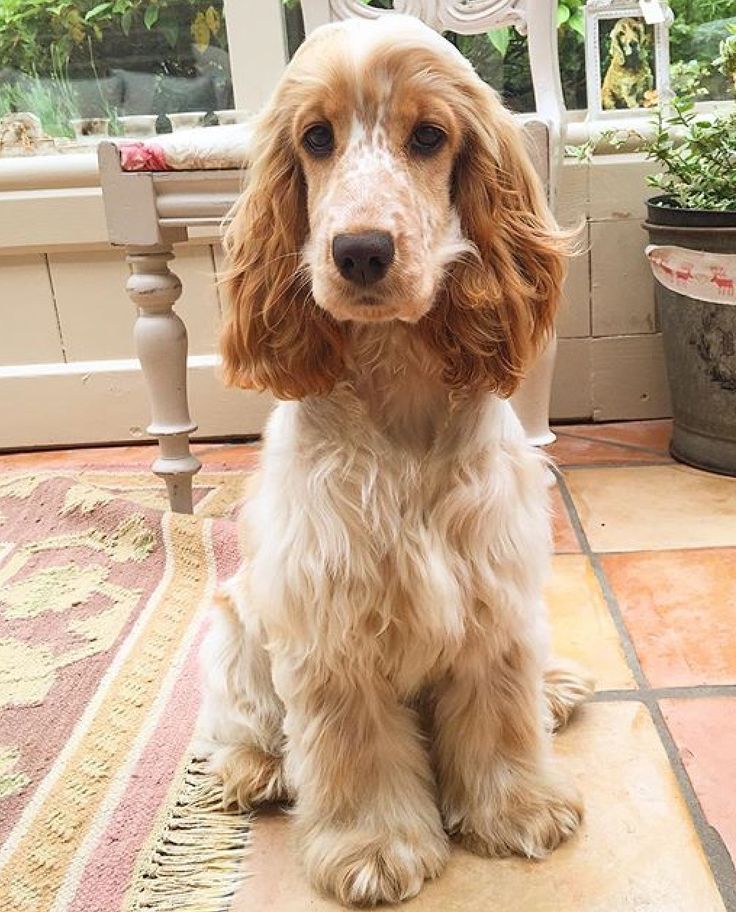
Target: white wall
point(66, 368)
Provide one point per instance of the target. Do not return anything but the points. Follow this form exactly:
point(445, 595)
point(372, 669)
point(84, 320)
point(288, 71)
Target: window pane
point(695, 38)
point(501, 57)
point(86, 68)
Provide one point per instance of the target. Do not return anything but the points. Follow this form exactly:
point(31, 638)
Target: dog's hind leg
point(565, 687)
point(241, 721)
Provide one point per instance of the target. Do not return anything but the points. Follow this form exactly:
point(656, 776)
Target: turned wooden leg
point(161, 343)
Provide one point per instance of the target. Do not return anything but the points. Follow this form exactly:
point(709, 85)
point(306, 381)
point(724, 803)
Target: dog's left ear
point(496, 310)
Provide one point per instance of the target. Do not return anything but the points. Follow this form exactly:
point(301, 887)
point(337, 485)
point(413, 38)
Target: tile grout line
point(635, 447)
point(631, 464)
point(613, 609)
point(716, 853)
point(693, 691)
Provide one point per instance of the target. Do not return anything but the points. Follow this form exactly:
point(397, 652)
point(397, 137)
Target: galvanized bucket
point(693, 258)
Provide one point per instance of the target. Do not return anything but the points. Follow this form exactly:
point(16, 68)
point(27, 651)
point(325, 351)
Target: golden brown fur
point(497, 304)
point(380, 656)
point(628, 82)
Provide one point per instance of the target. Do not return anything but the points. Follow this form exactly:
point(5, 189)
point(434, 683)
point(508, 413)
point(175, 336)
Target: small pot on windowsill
point(692, 253)
point(185, 120)
point(90, 127)
point(139, 125)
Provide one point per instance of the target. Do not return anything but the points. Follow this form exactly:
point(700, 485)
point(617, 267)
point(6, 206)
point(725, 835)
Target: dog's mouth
point(389, 299)
point(373, 310)
point(374, 307)
point(632, 58)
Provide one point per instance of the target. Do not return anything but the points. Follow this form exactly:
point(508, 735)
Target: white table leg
point(161, 343)
point(531, 400)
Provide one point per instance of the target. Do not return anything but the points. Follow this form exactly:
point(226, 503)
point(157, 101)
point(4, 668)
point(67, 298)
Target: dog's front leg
point(241, 720)
point(366, 807)
point(500, 791)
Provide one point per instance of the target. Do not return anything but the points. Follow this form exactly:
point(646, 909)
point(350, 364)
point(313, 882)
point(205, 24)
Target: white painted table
point(147, 213)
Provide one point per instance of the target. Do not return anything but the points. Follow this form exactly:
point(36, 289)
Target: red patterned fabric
point(198, 149)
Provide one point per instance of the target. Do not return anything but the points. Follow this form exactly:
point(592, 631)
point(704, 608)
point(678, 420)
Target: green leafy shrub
point(698, 157)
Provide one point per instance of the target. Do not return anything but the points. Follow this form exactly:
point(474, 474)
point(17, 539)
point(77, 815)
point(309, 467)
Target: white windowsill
point(55, 201)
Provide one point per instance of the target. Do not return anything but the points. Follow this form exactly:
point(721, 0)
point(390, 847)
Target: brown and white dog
point(380, 658)
point(628, 82)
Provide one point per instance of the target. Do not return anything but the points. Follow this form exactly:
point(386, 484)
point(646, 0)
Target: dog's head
point(628, 43)
point(387, 183)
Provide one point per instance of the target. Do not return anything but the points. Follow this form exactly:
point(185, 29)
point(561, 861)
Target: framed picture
point(627, 59)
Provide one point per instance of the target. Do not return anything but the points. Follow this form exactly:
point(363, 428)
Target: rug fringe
point(197, 861)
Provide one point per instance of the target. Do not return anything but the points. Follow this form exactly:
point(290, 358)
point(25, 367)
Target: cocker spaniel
point(380, 657)
point(628, 82)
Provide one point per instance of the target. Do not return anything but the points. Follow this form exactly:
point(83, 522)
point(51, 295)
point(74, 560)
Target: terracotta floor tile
point(570, 450)
point(214, 456)
point(637, 850)
point(680, 609)
point(705, 732)
point(565, 539)
point(644, 508)
point(141, 455)
point(582, 628)
point(654, 435)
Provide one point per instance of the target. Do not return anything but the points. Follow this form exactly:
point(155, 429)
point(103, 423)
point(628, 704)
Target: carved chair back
point(537, 19)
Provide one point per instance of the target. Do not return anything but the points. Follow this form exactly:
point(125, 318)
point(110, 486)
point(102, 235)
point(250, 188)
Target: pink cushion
point(198, 149)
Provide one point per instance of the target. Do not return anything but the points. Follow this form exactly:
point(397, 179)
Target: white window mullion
point(257, 47)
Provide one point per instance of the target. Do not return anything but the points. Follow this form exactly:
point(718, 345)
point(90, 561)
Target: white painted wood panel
point(618, 187)
point(571, 389)
point(628, 378)
point(29, 328)
point(573, 193)
point(97, 316)
point(45, 218)
point(573, 320)
point(105, 402)
point(622, 289)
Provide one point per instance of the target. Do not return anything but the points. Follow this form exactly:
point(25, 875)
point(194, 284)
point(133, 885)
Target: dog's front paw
point(249, 776)
point(565, 687)
point(530, 823)
point(362, 869)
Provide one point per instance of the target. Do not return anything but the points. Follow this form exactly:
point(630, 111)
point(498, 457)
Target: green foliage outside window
point(38, 36)
point(500, 56)
point(47, 47)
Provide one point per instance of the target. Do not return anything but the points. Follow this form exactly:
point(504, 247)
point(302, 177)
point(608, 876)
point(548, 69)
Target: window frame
point(42, 195)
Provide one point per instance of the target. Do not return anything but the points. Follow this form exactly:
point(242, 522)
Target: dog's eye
point(319, 139)
point(426, 139)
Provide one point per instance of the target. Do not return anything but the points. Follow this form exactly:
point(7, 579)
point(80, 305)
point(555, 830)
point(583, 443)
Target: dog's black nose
point(363, 258)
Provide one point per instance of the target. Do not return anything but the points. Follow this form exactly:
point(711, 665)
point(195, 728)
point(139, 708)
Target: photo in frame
point(627, 59)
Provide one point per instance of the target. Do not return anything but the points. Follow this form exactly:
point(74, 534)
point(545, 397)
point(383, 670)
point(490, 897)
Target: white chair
point(149, 209)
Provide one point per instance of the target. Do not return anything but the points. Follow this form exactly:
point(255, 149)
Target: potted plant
point(692, 230)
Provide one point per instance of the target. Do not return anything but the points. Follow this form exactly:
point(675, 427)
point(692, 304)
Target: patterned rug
point(103, 604)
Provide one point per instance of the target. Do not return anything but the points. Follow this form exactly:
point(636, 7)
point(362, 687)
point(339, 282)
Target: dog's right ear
point(275, 336)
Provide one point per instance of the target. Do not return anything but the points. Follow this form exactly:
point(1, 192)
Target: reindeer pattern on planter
point(694, 273)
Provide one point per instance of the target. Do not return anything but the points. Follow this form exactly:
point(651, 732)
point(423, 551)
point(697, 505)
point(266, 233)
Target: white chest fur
point(358, 538)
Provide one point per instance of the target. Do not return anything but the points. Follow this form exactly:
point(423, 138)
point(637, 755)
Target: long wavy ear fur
point(275, 337)
point(497, 310)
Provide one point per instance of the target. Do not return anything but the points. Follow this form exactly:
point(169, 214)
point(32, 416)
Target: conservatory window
point(501, 57)
point(83, 69)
